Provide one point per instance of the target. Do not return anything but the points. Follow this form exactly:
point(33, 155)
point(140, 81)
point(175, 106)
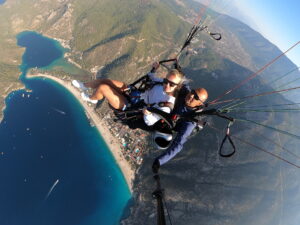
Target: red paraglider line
point(253, 75)
point(201, 13)
point(257, 147)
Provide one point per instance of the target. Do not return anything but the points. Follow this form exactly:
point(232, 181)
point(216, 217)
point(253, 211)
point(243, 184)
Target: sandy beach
point(109, 139)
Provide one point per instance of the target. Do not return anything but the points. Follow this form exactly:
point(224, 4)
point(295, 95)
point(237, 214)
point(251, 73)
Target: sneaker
point(79, 85)
point(86, 98)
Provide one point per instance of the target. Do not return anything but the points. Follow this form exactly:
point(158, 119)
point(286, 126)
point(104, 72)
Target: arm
point(152, 118)
point(177, 144)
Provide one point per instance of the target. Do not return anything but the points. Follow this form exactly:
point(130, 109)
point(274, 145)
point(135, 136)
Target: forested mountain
point(120, 39)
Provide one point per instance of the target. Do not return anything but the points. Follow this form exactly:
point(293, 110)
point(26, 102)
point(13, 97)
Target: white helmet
point(162, 140)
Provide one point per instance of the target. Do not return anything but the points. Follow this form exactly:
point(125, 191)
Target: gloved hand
point(155, 166)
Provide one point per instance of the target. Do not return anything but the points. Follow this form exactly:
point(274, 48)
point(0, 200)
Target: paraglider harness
point(168, 121)
point(133, 113)
point(172, 121)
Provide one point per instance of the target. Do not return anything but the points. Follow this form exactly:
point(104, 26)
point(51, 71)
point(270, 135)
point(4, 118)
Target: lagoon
point(45, 137)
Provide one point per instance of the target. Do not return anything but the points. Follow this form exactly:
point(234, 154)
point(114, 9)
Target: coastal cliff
point(119, 40)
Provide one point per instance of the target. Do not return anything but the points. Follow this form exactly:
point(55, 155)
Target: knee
point(103, 88)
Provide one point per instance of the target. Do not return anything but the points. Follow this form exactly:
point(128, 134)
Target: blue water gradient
point(2, 2)
point(45, 136)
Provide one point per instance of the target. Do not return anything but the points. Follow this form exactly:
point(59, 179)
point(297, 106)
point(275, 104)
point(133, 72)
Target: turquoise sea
point(54, 167)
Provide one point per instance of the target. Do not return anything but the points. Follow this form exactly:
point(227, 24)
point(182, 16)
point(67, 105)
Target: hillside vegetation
point(120, 40)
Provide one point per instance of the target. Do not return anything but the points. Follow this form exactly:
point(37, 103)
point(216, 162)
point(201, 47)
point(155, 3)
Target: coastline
point(110, 141)
point(15, 86)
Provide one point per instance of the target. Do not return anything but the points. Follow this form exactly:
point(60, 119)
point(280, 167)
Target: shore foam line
point(110, 141)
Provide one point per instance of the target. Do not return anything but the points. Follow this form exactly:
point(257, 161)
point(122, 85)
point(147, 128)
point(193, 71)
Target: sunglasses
point(193, 92)
point(172, 84)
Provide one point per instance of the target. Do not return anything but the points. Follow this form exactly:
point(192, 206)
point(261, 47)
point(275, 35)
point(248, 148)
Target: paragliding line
point(202, 12)
point(257, 147)
point(279, 78)
point(261, 149)
point(253, 96)
point(253, 75)
point(269, 127)
point(275, 143)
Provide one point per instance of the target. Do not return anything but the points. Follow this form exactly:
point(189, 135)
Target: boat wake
point(51, 189)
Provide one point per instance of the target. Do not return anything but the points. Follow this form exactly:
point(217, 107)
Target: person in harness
point(160, 94)
point(187, 102)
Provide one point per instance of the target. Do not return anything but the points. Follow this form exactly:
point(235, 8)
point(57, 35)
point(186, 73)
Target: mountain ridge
point(121, 43)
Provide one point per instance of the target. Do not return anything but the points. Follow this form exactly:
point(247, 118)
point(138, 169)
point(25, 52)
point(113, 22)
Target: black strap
point(191, 35)
point(167, 60)
point(166, 117)
point(176, 64)
point(214, 112)
point(158, 195)
point(146, 83)
point(227, 136)
point(216, 36)
point(139, 80)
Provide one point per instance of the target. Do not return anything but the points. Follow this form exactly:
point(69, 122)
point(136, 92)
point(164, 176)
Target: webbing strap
point(215, 36)
point(227, 136)
point(146, 83)
point(158, 195)
point(166, 117)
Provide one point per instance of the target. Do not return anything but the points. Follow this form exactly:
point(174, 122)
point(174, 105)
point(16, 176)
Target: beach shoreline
point(109, 139)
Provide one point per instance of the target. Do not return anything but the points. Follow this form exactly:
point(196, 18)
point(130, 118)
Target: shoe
point(86, 98)
point(79, 85)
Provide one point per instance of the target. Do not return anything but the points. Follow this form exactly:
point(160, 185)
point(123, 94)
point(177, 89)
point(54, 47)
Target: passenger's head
point(173, 81)
point(196, 97)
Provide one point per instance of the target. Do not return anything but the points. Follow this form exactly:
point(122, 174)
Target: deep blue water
point(45, 136)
